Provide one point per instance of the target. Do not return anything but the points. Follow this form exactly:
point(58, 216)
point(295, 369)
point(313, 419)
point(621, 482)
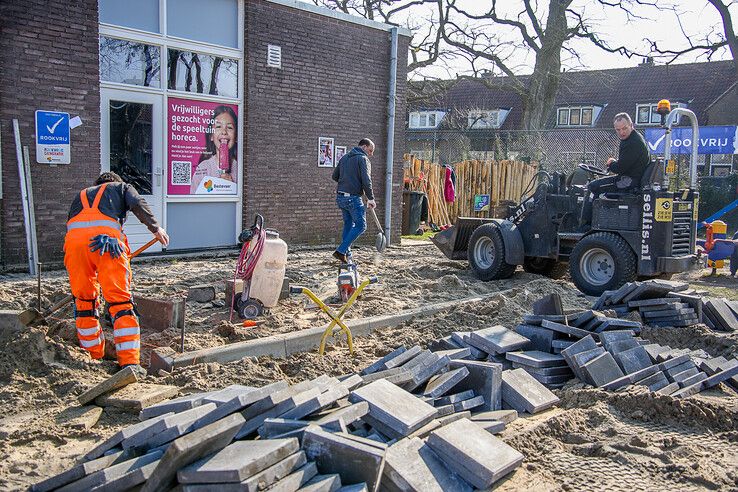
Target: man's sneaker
point(340, 256)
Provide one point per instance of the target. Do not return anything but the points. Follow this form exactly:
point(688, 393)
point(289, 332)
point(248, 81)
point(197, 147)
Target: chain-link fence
point(555, 150)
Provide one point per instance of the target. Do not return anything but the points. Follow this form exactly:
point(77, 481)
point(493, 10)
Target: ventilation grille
point(274, 56)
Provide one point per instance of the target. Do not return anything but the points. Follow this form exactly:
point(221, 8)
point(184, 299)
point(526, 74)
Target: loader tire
point(545, 266)
point(602, 261)
point(486, 253)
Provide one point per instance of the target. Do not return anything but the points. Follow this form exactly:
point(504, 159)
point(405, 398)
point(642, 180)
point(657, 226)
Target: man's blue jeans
point(354, 220)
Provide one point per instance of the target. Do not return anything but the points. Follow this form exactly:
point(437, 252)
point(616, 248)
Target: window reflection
point(201, 73)
point(128, 62)
point(131, 143)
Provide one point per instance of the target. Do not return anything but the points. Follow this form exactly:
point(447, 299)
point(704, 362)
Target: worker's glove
point(106, 244)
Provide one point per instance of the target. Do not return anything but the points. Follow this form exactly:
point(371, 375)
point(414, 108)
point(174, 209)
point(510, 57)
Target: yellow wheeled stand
point(335, 318)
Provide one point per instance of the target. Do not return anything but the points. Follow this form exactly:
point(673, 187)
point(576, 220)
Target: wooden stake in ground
point(121, 378)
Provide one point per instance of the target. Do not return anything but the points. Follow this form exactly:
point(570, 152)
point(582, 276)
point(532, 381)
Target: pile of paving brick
point(404, 423)
point(662, 303)
point(622, 359)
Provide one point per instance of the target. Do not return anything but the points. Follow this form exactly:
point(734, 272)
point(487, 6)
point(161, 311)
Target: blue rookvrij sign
point(52, 137)
point(713, 140)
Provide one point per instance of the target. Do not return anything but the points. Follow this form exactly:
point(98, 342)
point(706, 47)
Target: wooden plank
point(120, 379)
point(138, 396)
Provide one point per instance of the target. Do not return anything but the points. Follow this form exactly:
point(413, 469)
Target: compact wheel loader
point(646, 232)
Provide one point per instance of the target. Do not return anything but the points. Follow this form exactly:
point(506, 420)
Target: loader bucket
point(454, 241)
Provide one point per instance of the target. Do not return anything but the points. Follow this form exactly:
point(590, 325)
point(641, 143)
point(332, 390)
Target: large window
point(128, 62)
point(204, 74)
point(575, 116)
point(484, 119)
point(425, 119)
point(646, 113)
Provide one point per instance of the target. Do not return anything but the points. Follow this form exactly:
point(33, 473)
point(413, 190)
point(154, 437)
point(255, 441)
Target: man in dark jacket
point(354, 177)
point(628, 167)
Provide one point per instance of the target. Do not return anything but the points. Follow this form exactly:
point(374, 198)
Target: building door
point(132, 136)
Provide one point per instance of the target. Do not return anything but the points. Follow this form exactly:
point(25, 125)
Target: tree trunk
point(543, 84)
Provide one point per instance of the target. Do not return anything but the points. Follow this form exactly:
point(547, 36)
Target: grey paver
point(354, 459)
point(122, 434)
point(412, 465)
point(654, 349)
point(296, 479)
point(498, 339)
point(172, 425)
point(669, 389)
point(190, 448)
point(478, 456)
point(567, 330)
point(176, 405)
point(277, 426)
point(129, 480)
point(460, 337)
point(238, 461)
point(609, 337)
point(695, 378)
point(228, 393)
point(402, 357)
point(602, 369)
point(585, 344)
point(456, 397)
point(674, 361)
point(448, 419)
point(323, 483)
point(443, 383)
point(551, 380)
point(346, 415)
point(544, 371)
point(422, 374)
point(524, 393)
point(583, 318)
point(622, 345)
point(83, 469)
point(505, 416)
point(632, 378)
point(550, 304)
point(279, 410)
point(535, 358)
point(491, 426)
point(317, 403)
point(393, 406)
point(485, 378)
point(540, 338)
point(579, 360)
point(633, 360)
point(239, 403)
point(260, 481)
point(379, 364)
point(681, 376)
point(654, 378)
point(469, 404)
point(454, 354)
point(711, 366)
point(110, 473)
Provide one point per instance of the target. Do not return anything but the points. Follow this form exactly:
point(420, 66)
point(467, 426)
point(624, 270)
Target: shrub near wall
point(717, 192)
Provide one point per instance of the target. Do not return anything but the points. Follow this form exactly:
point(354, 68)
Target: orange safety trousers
point(89, 271)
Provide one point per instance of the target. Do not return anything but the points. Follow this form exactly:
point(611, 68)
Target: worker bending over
point(96, 254)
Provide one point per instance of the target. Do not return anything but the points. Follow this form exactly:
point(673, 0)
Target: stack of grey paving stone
point(357, 432)
point(720, 314)
point(660, 303)
point(621, 359)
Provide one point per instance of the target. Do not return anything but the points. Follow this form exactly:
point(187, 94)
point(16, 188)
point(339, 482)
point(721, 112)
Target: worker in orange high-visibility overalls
point(96, 255)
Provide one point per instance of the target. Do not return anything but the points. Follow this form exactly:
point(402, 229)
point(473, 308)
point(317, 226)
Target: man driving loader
point(628, 167)
point(96, 254)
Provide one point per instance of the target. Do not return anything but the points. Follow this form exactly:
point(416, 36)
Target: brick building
point(214, 110)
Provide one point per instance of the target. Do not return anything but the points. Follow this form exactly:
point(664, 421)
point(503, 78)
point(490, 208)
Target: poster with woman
point(325, 152)
point(202, 147)
point(340, 152)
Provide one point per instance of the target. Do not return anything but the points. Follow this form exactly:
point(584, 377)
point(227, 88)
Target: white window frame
point(422, 119)
point(164, 42)
point(569, 110)
point(655, 118)
point(481, 119)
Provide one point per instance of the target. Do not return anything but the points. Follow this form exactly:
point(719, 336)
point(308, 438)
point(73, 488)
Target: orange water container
point(268, 276)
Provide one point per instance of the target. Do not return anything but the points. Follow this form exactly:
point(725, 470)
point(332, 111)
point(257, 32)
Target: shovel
point(32, 316)
point(381, 241)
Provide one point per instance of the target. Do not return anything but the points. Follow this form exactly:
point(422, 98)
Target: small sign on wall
point(53, 144)
point(481, 203)
point(340, 152)
point(325, 152)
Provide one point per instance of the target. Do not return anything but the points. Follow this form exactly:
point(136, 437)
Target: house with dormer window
point(482, 118)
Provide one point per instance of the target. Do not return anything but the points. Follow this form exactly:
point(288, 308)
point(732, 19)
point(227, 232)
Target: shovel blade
point(381, 242)
point(29, 317)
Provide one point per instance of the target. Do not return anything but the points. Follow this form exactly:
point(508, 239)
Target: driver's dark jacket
point(117, 200)
point(632, 157)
